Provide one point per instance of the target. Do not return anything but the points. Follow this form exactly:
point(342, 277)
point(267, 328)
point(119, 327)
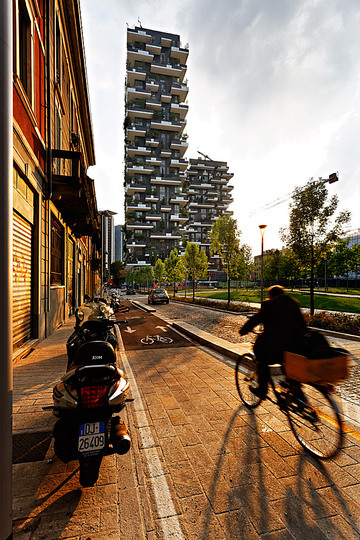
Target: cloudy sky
point(274, 90)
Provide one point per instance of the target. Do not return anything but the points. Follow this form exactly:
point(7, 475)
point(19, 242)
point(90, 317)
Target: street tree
point(195, 262)
point(355, 260)
point(245, 263)
point(159, 270)
point(289, 267)
point(118, 272)
point(313, 226)
point(174, 268)
point(272, 260)
point(225, 242)
point(341, 261)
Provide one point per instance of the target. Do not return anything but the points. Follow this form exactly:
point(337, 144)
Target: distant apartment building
point(119, 242)
point(354, 238)
point(155, 144)
point(209, 195)
point(108, 241)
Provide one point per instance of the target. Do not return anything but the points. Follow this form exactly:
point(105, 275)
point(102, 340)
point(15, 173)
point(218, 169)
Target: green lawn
point(322, 301)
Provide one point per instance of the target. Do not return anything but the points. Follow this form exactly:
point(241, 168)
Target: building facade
point(119, 243)
point(55, 215)
point(209, 195)
point(108, 241)
point(155, 145)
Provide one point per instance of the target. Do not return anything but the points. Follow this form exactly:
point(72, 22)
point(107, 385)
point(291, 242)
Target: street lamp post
point(262, 231)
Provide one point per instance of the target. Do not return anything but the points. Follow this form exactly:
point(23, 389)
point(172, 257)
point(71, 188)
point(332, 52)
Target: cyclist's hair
point(275, 290)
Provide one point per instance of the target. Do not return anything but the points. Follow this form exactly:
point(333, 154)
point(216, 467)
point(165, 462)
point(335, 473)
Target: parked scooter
point(116, 305)
point(88, 395)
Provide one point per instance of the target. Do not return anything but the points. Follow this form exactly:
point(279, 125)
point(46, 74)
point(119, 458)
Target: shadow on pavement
point(49, 521)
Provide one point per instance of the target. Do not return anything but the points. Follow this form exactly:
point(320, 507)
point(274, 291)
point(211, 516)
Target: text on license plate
point(91, 436)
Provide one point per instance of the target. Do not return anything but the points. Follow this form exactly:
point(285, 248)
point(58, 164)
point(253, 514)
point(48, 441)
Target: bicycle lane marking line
point(166, 510)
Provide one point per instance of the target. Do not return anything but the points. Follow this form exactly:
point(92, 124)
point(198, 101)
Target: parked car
point(130, 290)
point(158, 296)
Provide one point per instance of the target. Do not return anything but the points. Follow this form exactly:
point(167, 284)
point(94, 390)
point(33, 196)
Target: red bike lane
point(142, 330)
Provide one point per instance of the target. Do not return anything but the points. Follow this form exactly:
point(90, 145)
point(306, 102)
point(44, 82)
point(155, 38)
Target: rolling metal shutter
point(22, 259)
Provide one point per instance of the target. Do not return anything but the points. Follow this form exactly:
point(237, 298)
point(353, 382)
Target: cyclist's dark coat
point(282, 320)
point(284, 327)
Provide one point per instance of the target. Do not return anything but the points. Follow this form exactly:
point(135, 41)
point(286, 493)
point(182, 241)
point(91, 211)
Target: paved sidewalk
point(48, 501)
point(201, 465)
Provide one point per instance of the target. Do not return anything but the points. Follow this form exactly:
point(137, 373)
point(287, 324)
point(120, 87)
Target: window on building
point(58, 52)
point(25, 48)
point(162, 192)
point(162, 58)
point(139, 65)
point(57, 252)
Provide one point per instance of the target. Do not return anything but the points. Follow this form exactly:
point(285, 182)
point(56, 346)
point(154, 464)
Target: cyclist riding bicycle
point(284, 327)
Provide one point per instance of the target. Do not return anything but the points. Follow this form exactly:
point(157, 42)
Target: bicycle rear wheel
point(315, 419)
point(246, 376)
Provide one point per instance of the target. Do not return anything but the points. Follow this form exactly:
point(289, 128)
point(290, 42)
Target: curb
point(143, 306)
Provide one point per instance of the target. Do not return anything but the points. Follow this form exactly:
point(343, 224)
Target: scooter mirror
point(79, 316)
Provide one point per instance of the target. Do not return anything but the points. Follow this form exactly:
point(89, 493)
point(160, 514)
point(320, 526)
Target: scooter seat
point(95, 353)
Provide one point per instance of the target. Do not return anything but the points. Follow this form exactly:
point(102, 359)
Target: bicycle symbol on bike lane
point(149, 340)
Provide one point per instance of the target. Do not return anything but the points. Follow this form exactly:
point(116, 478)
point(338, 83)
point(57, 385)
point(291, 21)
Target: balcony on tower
point(179, 163)
point(180, 109)
point(133, 74)
point(137, 93)
point(134, 187)
point(180, 145)
point(139, 112)
point(135, 131)
point(137, 35)
point(135, 54)
point(179, 54)
point(138, 151)
point(162, 181)
point(138, 169)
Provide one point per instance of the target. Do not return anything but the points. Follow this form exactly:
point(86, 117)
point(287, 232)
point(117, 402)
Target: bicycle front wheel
point(246, 377)
point(315, 420)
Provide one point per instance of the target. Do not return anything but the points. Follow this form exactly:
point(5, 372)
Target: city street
point(201, 465)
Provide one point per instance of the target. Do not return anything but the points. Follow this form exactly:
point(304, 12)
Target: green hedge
point(339, 322)
point(208, 302)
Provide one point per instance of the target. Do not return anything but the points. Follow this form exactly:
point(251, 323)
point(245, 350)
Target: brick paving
point(201, 464)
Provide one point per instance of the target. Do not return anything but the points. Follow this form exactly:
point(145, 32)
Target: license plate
point(91, 437)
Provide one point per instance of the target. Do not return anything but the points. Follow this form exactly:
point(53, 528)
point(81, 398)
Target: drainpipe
point(48, 190)
point(6, 208)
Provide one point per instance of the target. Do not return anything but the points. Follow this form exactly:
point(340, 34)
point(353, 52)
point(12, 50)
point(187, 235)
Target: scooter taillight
point(94, 395)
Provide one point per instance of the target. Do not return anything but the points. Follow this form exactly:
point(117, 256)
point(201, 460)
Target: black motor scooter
point(88, 395)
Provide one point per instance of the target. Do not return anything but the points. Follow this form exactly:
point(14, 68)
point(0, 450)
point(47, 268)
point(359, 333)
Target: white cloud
point(274, 90)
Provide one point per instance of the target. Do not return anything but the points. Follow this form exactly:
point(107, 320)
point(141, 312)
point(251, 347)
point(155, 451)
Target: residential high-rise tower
point(155, 144)
point(209, 196)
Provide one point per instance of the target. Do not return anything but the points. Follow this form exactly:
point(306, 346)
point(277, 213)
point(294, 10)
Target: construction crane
point(333, 177)
point(204, 155)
